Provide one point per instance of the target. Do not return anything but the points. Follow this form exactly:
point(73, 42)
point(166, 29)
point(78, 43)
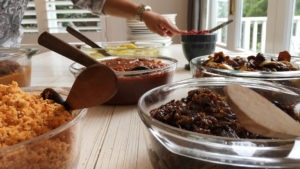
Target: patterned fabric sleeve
point(94, 6)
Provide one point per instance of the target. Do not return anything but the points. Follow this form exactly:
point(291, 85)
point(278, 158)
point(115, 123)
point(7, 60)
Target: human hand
point(160, 25)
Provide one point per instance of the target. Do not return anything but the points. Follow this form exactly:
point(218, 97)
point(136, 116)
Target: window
point(222, 7)
point(54, 15)
point(259, 25)
point(295, 41)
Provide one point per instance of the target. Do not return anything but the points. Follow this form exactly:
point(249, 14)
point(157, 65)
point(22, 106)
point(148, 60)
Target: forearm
point(120, 8)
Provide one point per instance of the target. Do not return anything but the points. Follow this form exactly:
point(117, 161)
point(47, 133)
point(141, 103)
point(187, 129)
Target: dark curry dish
point(251, 63)
point(206, 111)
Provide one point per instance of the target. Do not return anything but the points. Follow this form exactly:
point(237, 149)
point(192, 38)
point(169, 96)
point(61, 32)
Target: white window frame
point(42, 20)
point(278, 28)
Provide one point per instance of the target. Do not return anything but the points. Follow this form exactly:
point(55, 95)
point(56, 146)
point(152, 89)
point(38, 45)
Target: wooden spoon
point(53, 43)
point(95, 73)
point(93, 86)
point(259, 115)
point(86, 40)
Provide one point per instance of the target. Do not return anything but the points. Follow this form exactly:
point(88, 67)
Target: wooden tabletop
point(112, 135)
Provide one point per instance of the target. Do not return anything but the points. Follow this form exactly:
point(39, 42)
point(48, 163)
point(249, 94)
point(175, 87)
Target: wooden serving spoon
point(93, 86)
point(259, 115)
point(55, 44)
point(97, 82)
point(86, 40)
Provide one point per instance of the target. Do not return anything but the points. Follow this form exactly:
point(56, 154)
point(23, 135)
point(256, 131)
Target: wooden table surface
point(112, 135)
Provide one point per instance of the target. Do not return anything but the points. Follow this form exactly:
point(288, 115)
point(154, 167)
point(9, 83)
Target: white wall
point(116, 28)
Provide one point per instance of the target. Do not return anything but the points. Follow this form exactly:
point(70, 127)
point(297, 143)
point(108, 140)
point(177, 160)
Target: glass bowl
point(125, 48)
point(56, 149)
point(290, 78)
point(132, 84)
point(15, 65)
point(172, 147)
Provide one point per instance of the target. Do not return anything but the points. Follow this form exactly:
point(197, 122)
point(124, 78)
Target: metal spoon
point(86, 40)
point(220, 26)
point(259, 115)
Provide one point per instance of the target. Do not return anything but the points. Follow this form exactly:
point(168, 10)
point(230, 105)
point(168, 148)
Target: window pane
point(222, 16)
point(58, 15)
point(295, 38)
point(62, 13)
point(254, 22)
point(29, 22)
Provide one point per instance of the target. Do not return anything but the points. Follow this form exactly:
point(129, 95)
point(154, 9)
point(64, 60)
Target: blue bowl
point(198, 45)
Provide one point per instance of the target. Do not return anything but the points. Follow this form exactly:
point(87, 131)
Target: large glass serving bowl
point(172, 147)
point(57, 149)
point(290, 78)
point(132, 84)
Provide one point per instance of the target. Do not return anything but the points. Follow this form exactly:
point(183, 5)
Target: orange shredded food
point(24, 115)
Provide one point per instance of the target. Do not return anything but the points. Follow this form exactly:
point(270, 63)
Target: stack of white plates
point(138, 31)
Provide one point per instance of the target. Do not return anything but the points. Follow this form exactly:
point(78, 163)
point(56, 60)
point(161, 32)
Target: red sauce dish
point(196, 32)
point(136, 75)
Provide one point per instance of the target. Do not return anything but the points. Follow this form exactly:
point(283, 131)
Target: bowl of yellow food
point(37, 133)
point(124, 48)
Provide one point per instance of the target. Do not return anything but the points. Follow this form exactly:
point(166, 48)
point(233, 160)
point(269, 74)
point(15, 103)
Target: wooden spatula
point(259, 115)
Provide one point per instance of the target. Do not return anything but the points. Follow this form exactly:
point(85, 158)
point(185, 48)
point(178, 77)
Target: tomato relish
point(127, 64)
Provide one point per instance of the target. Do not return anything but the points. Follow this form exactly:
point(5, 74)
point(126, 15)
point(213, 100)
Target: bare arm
point(154, 21)
point(127, 9)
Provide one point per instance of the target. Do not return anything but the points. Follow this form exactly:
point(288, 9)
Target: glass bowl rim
point(171, 65)
point(18, 52)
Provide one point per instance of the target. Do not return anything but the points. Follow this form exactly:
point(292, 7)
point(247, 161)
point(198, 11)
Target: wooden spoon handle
point(86, 40)
point(53, 43)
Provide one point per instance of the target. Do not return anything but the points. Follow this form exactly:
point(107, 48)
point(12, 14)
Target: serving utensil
point(94, 85)
point(55, 44)
point(86, 40)
point(259, 115)
point(220, 26)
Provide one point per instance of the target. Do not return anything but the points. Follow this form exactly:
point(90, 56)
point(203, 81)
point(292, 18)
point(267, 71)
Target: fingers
point(170, 29)
point(161, 25)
